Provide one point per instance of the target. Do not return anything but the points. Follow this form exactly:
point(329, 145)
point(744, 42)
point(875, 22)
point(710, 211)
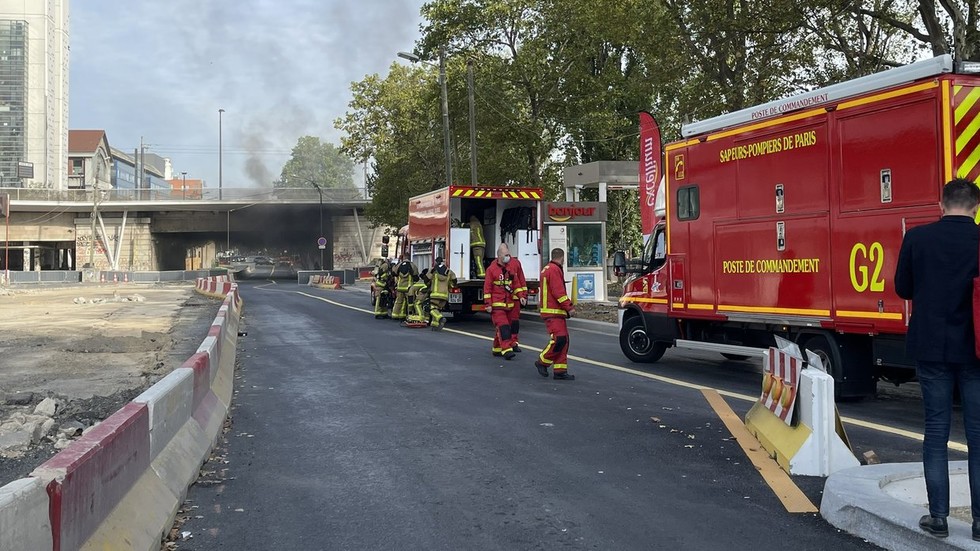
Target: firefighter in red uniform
point(555, 307)
point(498, 297)
point(519, 284)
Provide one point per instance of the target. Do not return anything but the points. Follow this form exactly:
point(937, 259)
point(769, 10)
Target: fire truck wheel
point(829, 355)
point(637, 345)
point(735, 357)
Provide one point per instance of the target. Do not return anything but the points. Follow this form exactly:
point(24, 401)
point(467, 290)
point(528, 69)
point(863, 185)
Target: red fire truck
point(787, 219)
point(438, 225)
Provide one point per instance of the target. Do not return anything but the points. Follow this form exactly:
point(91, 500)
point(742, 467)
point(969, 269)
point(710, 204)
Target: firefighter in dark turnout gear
point(478, 245)
point(405, 274)
point(382, 288)
point(418, 298)
point(443, 279)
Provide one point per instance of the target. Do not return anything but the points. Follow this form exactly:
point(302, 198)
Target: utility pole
point(220, 155)
point(184, 185)
point(95, 214)
point(320, 193)
point(445, 115)
point(469, 86)
point(143, 183)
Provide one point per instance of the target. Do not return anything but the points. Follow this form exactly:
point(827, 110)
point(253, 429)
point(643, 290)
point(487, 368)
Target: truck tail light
point(455, 290)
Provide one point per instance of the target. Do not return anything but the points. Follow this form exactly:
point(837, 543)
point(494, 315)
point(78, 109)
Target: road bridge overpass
point(169, 230)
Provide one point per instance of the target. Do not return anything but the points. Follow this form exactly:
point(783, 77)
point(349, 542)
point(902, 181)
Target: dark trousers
point(937, 381)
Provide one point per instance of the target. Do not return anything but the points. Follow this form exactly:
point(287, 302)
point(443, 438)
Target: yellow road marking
point(953, 445)
point(782, 485)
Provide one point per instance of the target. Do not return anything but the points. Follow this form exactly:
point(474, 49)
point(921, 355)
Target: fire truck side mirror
point(384, 251)
point(619, 263)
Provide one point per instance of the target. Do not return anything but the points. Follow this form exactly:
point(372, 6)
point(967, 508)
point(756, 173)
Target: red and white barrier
point(87, 479)
point(120, 485)
point(325, 282)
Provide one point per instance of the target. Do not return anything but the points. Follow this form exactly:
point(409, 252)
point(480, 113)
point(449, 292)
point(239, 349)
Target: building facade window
point(13, 99)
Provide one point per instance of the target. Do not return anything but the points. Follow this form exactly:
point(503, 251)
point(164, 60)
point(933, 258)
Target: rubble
point(48, 407)
point(20, 399)
point(116, 297)
point(71, 429)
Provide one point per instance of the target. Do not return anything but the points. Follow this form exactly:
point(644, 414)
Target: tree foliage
point(314, 161)
point(560, 82)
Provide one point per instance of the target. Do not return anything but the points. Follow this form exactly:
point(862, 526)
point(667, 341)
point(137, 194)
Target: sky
point(161, 69)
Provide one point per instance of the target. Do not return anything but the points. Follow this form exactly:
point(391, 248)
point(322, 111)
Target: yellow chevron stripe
point(969, 163)
point(468, 193)
point(457, 193)
point(481, 193)
point(964, 108)
point(525, 195)
point(535, 194)
point(968, 133)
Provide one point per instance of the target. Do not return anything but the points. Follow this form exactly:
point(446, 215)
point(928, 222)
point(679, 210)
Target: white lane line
point(953, 445)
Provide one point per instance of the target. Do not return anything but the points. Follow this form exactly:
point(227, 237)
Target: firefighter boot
point(542, 368)
point(563, 376)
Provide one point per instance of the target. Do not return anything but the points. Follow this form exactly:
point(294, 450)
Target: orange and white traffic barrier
point(325, 282)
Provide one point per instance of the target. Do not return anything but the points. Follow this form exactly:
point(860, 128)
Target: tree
point(560, 82)
point(393, 123)
point(313, 161)
point(946, 27)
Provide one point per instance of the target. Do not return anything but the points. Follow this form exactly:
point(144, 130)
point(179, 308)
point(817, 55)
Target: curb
point(120, 486)
point(856, 500)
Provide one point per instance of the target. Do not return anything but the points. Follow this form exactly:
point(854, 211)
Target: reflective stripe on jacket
point(518, 281)
point(476, 235)
point(554, 299)
point(497, 291)
point(441, 284)
point(406, 274)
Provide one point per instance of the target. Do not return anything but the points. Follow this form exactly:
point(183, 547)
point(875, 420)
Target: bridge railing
point(190, 195)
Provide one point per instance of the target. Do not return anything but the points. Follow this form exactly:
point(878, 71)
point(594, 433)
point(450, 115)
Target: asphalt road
point(355, 433)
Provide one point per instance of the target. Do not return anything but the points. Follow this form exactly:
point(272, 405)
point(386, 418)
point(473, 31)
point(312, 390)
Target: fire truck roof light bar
point(878, 81)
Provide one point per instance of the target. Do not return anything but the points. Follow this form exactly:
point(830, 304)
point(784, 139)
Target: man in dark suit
point(935, 271)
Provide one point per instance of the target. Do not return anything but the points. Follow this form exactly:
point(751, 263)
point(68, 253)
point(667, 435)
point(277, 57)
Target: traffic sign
point(322, 242)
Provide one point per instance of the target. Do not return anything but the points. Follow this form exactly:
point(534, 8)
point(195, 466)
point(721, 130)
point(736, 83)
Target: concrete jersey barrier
point(120, 485)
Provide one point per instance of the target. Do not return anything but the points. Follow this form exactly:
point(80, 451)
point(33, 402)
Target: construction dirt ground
point(70, 357)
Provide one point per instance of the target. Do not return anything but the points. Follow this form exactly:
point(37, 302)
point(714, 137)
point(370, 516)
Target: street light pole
point(320, 193)
point(184, 185)
point(220, 151)
point(445, 115)
point(469, 86)
point(445, 105)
